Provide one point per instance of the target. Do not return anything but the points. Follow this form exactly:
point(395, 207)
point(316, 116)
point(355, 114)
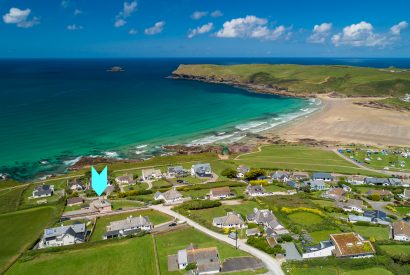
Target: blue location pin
point(99, 181)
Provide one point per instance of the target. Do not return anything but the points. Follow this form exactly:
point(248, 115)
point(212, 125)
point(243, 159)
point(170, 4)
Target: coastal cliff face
point(303, 81)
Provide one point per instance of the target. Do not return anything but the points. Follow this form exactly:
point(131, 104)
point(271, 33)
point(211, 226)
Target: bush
point(286, 238)
point(134, 193)
point(261, 244)
point(374, 197)
point(200, 204)
point(229, 173)
point(253, 174)
point(258, 182)
point(190, 266)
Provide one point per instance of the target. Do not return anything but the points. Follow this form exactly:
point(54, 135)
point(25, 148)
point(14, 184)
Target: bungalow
point(334, 193)
point(63, 235)
point(125, 179)
point(242, 170)
point(255, 190)
point(151, 174)
point(323, 249)
point(315, 185)
point(351, 245)
point(176, 172)
point(300, 175)
point(282, 176)
point(76, 185)
point(205, 260)
point(42, 191)
point(351, 205)
point(129, 226)
point(221, 193)
point(322, 176)
point(101, 206)
point(231, 220)
point(266, 218)
point(382, 193)
point(376, 181)
point(356, 180)
point(169, 197)
point(202, 170)
point(75, 201)
point(377, 216)
point(401, 231)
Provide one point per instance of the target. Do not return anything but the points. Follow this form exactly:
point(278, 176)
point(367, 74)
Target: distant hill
point(305, 80)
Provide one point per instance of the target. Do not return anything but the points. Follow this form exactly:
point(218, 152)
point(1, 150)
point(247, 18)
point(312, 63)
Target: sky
point(204, 28)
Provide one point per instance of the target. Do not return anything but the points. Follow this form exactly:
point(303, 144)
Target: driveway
point(271, 263)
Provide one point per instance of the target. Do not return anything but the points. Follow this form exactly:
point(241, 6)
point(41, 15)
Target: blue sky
point(201, 28)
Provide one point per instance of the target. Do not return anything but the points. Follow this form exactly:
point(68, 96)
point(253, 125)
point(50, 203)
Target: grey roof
point(395, 181)
point(314, 183)
point(280, 175)
point(320, 246)
point(243, 169)
point(129, 223)
point(43, 190)
point(229, 219)
point(376, 181)
point(356, 218)
point(182, 256)
point(176, 169)
point(291, 251)
point(74, 229)
point(375, 214)
point(202, 168)
point(255, 189)
point(321, 175)
point(169, 195)
point(263, 216)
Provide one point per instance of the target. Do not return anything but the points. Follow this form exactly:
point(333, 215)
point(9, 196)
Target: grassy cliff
point(306, 80)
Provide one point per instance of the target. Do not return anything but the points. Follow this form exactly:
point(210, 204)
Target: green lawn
point(275, 188)
point(299, 158)
point(170, 243)
point(379, 233)
point(130, 256)
point(10, 199)
point(102, 222)
point(322, 235)
point(19, 230)
point(395, 250)
point(161, 184)
point(403, 210)
point(28, 192)
point(117, 204)
point(339, 271)
point(305, 218)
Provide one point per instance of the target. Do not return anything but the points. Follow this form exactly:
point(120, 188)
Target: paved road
point(271, 264)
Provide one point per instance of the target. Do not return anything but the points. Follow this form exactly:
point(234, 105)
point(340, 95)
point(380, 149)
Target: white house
point(201, 170)
point(125, 179)
point(63, 235)
point(322, 176)
point(324, 249)
point(231, 220)
point(169, 197)
point(42, 191)
point(128, 226)
point(351, 205)
point(151, 174)
point(401, 231)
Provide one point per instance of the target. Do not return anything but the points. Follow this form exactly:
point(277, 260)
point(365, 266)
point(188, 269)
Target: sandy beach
point(343, 121)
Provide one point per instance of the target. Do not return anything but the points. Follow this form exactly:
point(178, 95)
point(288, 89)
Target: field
point(169, 244)
point(102, 222)
point(403, 210)
point(123, 204)
point(301, 158)
point(10, 199)
point(379, 233)
point(322, 235)
point(339, 271)
point(130, 256)
point(302, 79)
point(395, 250)
point(19, 230)
point(305, 218)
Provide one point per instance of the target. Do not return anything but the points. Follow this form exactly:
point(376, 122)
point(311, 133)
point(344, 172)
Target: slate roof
point(321, 175)
point(77, 229)
point(130, 223)
point(229, 219)
point(202, 168)
point(252, 189)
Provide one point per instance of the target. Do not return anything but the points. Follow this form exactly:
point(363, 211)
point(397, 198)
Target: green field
point(403, 210)
point(305, 218)
point(10, 199)
point(123, 204)
point(130, 256)
point(102, 222)
point(299, 158)
point(339, 271)
point(322, 235)
point(395, 250)
point(395, 102)
point(379, 233)
point(303, 79)
point(170, 243)
point(19, 231)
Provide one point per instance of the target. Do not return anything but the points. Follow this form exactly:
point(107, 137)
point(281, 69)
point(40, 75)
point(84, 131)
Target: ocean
point(53, 111)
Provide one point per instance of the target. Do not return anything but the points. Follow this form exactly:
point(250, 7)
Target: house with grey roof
point(376, 181)
point(206, 260)
point(255, 190)
point(281, 176)
point(129, 226)
point(42, 191)
point(315, 185)
point(169, 197)
point(176, 172)
point(125, 179)
point(323, 249)
point(63, 235)
point(76, 185)
point(151, 174)
point(322, 176)
point(266, 218)
point(202, 170)
point(242, 170)
point(351, 205)
point(231, 220)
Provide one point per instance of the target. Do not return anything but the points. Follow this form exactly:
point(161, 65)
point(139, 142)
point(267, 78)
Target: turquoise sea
point(53, 111)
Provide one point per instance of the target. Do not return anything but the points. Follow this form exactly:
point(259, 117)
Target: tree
point(190, 266)
point(254, 173)
point(229, 173)
point(374, 197)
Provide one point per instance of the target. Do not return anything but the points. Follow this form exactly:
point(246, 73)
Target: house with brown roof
point(101, 205)
point(401, 231)
point(231, 220)
point(334, 193)
point(221, 193)
point(125, 179)
point(381, 192)
point(351, 245)
point(300, 175)
point(75, 201)
point(351, 205)
point(206, 260)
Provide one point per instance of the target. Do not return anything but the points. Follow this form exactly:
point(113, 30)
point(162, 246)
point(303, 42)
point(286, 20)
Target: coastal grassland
point(10, 198)
point(128, 256)
point(304, 158)
point(303, 79)
point(102, 222)
point(378, 232)
point(19, 231)
point(394, 102)
point(27, 201)
point(170, 243)
point(305, 218)
point(396, 249)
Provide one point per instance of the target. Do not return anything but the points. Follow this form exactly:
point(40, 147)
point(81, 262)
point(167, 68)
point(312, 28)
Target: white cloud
point(157, 28)
point(216, 13)
point(199, 14)
point(77, 12)
point(74, 27)
point(320, 33)
point(65, 3)
point(20, 18)
point(201, 30)
point(250, 27)
point(396, 29)
point(127, 10)
point(132, 32)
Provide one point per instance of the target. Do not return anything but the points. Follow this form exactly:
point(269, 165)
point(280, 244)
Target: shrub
point(374, 197)
point(229, 173)
point(286, 238)
point(253, 174)
point(258, 182)
point(200, 204)
point(261, 244)
point(190, 266)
